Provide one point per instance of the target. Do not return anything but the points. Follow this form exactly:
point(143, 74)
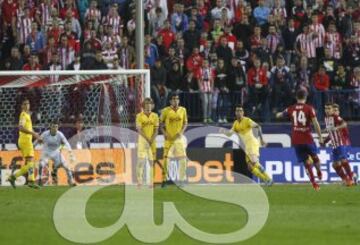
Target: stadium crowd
point(220, 52)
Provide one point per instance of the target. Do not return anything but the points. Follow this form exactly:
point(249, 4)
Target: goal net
point(97, 98)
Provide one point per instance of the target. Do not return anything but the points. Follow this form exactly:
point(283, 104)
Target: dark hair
point(239, 106)
point(301, 94)
point(55, 121)
point(329, 104)
point(334, 105)
point(173, 94)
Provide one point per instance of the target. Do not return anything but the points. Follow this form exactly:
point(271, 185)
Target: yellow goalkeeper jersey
point(174, 120)
point(148, 123)
point(244, 129)
point(25, 120)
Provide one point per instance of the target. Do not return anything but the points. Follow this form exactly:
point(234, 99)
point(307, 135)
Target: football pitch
point(298, 215)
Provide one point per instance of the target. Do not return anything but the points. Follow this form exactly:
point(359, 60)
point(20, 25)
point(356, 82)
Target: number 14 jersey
point(301, 116)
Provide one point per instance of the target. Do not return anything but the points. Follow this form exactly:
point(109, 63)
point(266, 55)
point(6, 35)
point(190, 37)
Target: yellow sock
point(140, 170)
point(182, 169)
point(264, 175)
point(23, 170)
point(27, 168)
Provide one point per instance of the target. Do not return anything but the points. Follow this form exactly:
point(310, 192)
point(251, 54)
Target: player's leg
point(345, 163)
point(59, 161)
point(167, 148)
point(312, 151)
point(152, 159)
point(179, 150)
point(43, 162)
point(302, 157)
point(257, 170)
point(141, 161)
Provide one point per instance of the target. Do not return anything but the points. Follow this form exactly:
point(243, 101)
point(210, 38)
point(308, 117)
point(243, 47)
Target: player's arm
point(341, 126)
point(156, 131)
point(162, 124)
point(317, 129)
point(228, 133)
point(184, 126)
point(140, 130)
point(39, 140)
point(282, 114)
point(67, 145)
point(26, 131)
point(258, 127)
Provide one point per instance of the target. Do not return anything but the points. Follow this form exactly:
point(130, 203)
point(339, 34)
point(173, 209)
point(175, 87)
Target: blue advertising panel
point(282, 166)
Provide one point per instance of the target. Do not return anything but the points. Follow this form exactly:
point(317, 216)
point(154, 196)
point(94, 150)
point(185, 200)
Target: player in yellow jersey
point(26, 134)
point(243, 127)
point(173, 122)
point(147, 125)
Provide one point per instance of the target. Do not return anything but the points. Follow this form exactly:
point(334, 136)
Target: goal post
point(98, 97)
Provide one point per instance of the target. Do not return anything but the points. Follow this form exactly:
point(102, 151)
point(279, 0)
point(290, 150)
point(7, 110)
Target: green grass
point(298, 215)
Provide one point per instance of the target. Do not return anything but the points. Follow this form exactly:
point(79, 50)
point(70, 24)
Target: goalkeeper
point(53, 141)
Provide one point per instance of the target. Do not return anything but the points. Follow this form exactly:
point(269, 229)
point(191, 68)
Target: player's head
point(239, 111)
point(148, 105)
point(336, 109)
point(174, 99)
point(25, 105)
point(54, 126)
point(328, 109)
point(301, 95)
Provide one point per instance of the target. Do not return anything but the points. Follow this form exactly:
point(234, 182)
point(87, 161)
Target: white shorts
point(55, 156)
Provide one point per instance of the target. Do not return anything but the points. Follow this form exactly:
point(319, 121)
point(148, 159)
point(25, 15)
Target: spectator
point(126, 53)
point(224, 52)
point(273, 39)
point(170, 60)
point(36, 39)
point(82, 5)
point(261, 13)
point(93, 41)
point(197, 18)
point(87, 56)
point(99, 63)
point(289, 36)
point(167, 35)
point(55, 30)
point(54, 64)
point(191, 36)
point(151, 51)
point(33, 64)
point(205, 76)
point(216, 11)
point(236, 76)
point(111, 37)
point(221, 91)
point(156, 22)
point(263, 53)
point(158, 81)
point(194, 62)
point(179, 21)
point(24, 24)
point(255, 39)
point(281, 84)
point(298, 13)
point(109, 53)
point(241, 53)
point(159, 42)
point(66, 52)
point(231, 39)
point(113, 19)
point(258, 86)
point(190, 83)
point(217, 31)
point(72, 37)
point(93, 14)
point(305, 45)
point(76, 65)
point(14, 62)
point(321, 80)
point(243, 31)
point(341, 79)
point(329, 64)
point(174, 78)
point(75, 24)
point(333, 41)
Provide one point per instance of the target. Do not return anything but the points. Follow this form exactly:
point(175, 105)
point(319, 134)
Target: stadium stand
point(258, 53)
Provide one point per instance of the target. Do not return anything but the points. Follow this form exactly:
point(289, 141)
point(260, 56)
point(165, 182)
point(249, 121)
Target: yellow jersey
point(148, 123)
point(174, 120)
point(25, 120)
point(244, 129)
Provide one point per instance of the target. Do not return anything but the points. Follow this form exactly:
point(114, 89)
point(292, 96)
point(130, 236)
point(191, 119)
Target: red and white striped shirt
point(24, 28)
point(206, 79)
point(307, 44)
point(66, 56)
point(337, 137)
point(115, 40)
point(333, 42)
point(109, 55)
point(44, 11)
point(114, 21)
point(272, 42)
point(279, 11)
point(93, 14)
point(320, 31)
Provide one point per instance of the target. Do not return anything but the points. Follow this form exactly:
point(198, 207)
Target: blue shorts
point(340, 153)
point(303, 151)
